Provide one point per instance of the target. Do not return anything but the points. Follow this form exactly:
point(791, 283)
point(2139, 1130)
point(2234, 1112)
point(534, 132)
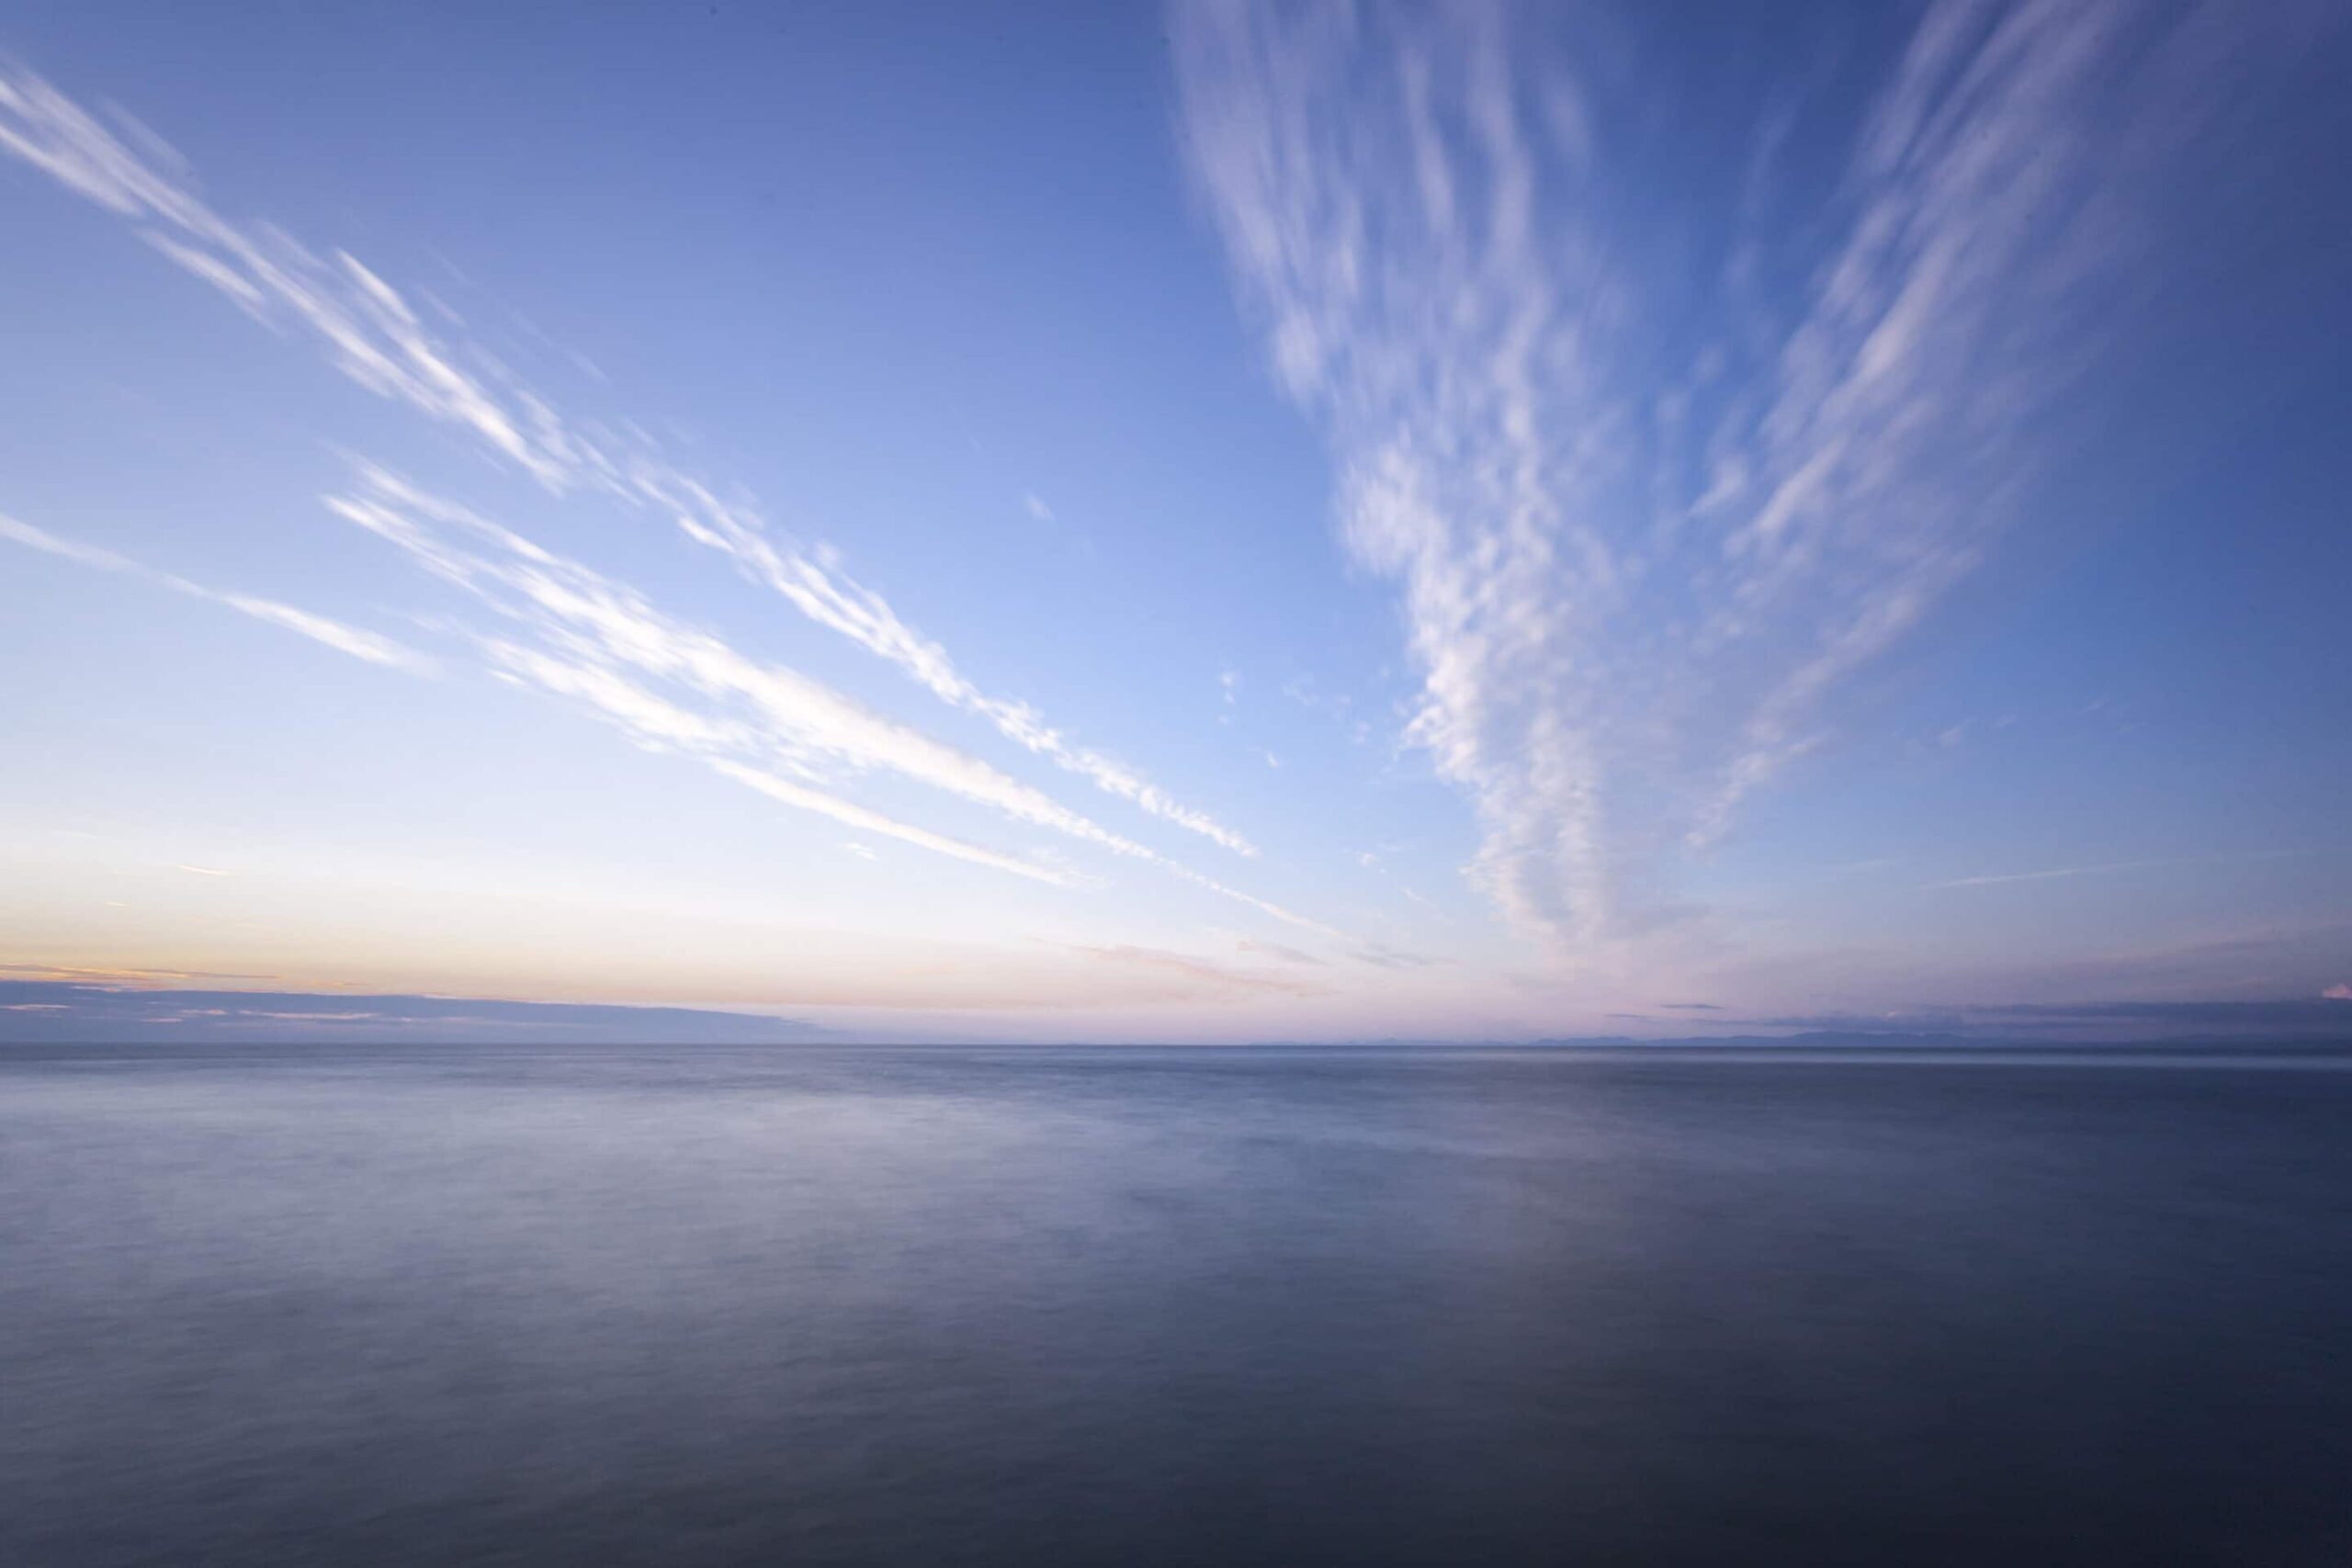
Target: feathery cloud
point(603, 645)
point(1286, 953)
point(599, 686)
point(1193, 972)
point(2060, 873)
point(597, 630)
point(674, 686)
point(1643, 529)
point(358, 643)
point(371, 333)
point(850, 813)
point(1381, 956)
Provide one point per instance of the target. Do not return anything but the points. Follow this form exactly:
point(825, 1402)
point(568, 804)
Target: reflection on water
point(712, 1306)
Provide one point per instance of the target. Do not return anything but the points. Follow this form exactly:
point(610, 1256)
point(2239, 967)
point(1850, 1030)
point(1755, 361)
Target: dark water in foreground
point(1122, 1306)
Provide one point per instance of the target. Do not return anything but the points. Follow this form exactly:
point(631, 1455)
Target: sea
point(1127, 1305)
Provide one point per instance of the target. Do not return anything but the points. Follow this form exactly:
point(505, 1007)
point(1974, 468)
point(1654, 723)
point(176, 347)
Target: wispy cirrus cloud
point(1381, 956)
point(800, 713)
point(1191, 972)
point(850, 813)
point(1655, 488)
point(673, 686)
point(2064, 872)
point(363, 644)
point(1282, 951)
point(373, 334)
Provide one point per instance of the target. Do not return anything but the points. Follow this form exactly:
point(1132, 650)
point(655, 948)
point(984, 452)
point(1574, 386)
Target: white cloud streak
point(676, 687)
point(1645, 530)
point(855, 816)
point(602, 643)
point(2060, 873)
point(348, 639)
point(648, 718)
point(2056, 874)
point(372, 334)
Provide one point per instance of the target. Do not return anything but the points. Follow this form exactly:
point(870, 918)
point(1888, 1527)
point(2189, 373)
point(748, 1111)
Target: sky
point(1234, 522)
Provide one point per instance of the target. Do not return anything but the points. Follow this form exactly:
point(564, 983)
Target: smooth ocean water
point(406, 1305)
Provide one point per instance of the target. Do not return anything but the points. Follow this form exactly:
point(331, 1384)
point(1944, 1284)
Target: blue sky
point(1232, 524)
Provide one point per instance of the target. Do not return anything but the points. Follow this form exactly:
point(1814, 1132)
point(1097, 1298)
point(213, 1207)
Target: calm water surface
point(381, 1305)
